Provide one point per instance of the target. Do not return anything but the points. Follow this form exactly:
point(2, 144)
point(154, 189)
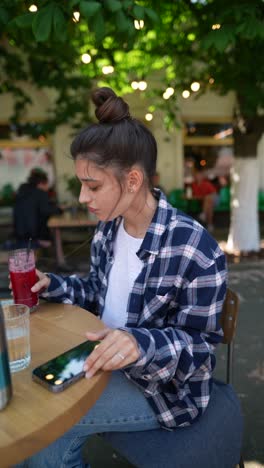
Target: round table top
point(35, 417)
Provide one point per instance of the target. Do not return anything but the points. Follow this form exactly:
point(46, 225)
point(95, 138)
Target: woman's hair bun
point(109, 107)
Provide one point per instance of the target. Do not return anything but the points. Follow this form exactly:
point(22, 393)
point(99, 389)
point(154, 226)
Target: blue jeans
point(121, 407)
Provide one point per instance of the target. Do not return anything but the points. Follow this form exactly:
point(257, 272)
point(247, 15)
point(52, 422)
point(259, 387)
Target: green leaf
point(122, 22)
point(138, 11)
point(131, 31)
point(113, 5)
point(152, 15)
point(59, 24)
point(127, 3)
point(4, 17)
point(73, 3)
point(89, 9)
point(99, 27)
point(219, 39)
point(42, 23)
point(25, 21)
point(251, 28)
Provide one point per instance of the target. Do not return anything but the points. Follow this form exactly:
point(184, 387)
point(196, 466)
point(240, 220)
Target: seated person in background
point(204, 190)
point(32, 210)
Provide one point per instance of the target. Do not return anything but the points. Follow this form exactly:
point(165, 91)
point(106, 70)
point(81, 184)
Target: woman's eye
point(93, 189)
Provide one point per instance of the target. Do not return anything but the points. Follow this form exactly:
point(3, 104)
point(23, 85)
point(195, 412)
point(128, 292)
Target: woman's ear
point(135, 180)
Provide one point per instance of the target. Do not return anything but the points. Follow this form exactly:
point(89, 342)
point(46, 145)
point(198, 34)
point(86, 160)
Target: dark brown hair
point(37, 176)
point(118, 140)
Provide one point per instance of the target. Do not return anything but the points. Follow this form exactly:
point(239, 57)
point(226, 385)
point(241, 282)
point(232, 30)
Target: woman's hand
point(40, 286)
point(116, 350)
point(42, 283)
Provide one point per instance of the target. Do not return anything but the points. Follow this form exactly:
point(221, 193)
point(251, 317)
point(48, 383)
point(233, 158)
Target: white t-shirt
point(125, 269)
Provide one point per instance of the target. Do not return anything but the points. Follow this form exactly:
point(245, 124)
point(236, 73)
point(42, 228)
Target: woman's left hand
point(116, 350)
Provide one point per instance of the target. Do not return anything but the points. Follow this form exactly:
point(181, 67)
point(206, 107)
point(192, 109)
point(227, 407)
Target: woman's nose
point(85, 195)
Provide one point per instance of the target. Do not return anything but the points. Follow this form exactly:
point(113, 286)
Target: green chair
point(224, 199)
point(177, 200)
point(194, 206)
point(261, 200)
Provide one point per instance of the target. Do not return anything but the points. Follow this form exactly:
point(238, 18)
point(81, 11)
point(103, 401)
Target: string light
point(149, 116)
point(168, 93)
point(195, 86)
point(211, 80)
point(33, 8)
point(142, 85)
point(134, 85)
point(139, 24)
point(86, 58)
point(216, 26)
point(108, 69)
point(186, 94)
point(76, 16)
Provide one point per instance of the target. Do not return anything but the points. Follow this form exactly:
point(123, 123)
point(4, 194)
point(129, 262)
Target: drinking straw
point(28, 248)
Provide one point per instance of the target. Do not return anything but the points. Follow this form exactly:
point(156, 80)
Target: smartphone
point(65, 369)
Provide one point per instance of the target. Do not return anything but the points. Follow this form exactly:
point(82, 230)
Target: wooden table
point(35, 417)
point(57, 223)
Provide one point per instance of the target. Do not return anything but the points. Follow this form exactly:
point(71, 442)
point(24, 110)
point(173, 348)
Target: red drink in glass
point(23, 277)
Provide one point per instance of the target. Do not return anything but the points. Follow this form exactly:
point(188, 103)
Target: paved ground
point(247, 279)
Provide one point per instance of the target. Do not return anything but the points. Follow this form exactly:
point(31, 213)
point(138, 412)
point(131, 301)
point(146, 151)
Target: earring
point(131, 190)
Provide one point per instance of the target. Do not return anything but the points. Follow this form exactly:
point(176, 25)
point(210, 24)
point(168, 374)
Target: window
point(208, 145)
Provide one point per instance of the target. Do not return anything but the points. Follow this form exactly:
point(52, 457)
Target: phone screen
point(60, 372)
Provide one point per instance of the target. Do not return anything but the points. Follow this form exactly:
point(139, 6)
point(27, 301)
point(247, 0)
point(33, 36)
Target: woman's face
point(101, 191)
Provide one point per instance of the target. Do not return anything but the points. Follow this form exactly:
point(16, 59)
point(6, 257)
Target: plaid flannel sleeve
point(75, 290)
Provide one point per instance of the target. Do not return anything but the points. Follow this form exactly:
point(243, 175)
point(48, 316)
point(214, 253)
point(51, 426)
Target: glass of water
point(18, 335)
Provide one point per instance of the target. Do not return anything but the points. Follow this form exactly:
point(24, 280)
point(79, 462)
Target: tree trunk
point(244, 228)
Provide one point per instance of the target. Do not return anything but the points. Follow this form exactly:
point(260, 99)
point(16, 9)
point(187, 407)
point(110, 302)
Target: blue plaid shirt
point(173, 309)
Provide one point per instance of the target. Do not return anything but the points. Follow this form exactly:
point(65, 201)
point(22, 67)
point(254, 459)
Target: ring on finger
point(120, 355)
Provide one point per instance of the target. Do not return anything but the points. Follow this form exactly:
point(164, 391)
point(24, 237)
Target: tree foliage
point(218, 43)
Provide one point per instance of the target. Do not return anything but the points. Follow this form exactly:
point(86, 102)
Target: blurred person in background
point(32, 210)
point(203, 189)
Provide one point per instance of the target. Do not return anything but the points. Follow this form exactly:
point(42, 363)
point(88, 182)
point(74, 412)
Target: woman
point(157, 280)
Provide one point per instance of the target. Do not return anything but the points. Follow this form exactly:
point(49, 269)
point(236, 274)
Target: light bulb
point(33, 8)
point(216, 26)
point(142, 85)
point(134, 85)
point(86, 58)
point(76, 16)
point(149, 116)
point(195, 86)
point(107, 69)
point(139, 24)
point(186, 94)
